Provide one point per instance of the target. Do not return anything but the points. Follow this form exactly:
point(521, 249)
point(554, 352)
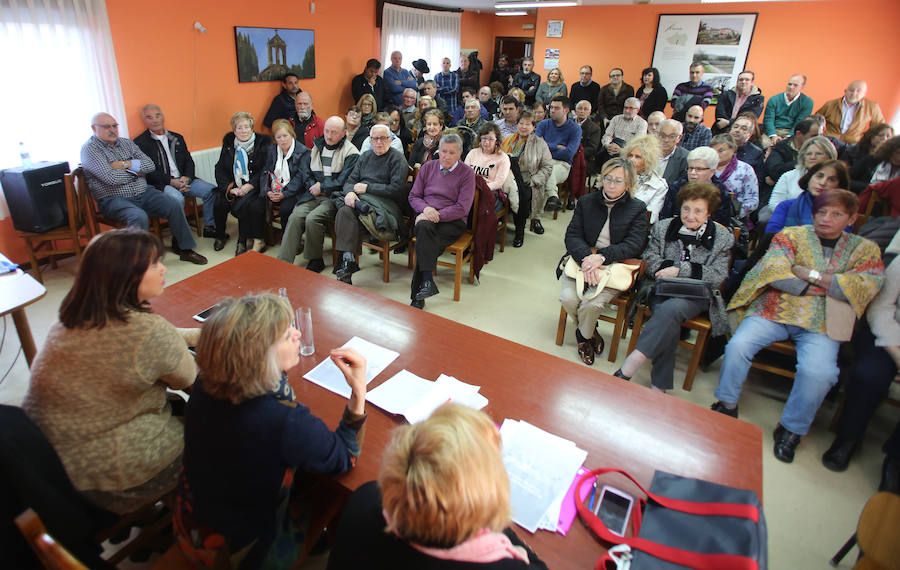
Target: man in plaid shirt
point(115, 170)
point(695, 133)
point(447, 85)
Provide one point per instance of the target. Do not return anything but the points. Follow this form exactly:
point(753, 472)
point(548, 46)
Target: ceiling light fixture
point(519, 5)
point(514, 13)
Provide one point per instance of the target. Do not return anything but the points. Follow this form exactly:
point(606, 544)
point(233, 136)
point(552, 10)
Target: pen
point(593, 495)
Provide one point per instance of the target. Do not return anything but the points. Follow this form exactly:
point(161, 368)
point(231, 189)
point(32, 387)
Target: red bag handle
point(670, 553)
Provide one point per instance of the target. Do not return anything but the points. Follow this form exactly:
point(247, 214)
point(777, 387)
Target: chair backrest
point(52, 554)
point(74, 199)
point(89, 205)
point(473, 212)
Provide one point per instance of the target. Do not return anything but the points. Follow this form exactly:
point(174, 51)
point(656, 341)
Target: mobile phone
point(206, 313)
point(614, 508)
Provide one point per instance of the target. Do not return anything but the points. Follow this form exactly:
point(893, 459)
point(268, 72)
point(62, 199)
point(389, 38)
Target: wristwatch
point(814, 276)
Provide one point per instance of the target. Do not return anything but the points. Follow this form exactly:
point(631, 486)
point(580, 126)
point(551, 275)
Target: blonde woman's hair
point(625, 164)
point(824, 145)
point(650, 150)
point(518, 94)
point(241, 116)
point(283, 125)
point(442, 480)
point(557, 70)
point(236, 351)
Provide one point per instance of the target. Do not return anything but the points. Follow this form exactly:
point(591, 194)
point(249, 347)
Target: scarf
point(690, 238)
point(800, 211)
point(729, 169)
point(513, 145)
point(883, 172)
point(242, 152)
point(282, 170)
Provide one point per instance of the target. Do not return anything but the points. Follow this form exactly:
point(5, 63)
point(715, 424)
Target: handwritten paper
point(327, 375)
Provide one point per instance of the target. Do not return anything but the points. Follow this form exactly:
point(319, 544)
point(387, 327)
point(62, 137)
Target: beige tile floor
point(810, 511)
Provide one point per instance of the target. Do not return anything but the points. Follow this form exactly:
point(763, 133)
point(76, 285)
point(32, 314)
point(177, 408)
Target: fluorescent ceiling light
point(516, 13)
point(731, 1)
point(552, 4)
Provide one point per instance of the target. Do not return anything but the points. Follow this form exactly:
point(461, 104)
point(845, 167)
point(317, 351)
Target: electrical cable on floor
point(2, 343)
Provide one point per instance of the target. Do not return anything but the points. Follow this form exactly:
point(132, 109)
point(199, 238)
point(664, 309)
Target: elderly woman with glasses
point(607, 227)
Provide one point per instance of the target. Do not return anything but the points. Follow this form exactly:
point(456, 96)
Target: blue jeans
point(199, 189)
point(134, 212)
point(817, 369)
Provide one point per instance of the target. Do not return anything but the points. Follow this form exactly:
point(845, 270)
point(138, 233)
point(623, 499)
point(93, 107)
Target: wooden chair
point(876, 534)
point(45, 244)
point(96, 219)
point(274, 230)
point(875, 201)
point(622, 304)
point(563, 189)
point(384, 249)
point(502, 218)
point(52, 554)
point(192, 213)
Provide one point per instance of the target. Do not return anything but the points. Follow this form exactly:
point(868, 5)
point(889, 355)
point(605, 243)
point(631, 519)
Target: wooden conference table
point(18, 290)
point(620, 424)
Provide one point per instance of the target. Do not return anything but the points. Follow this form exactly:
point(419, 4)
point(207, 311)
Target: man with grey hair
point(397, 79)
point(472, 116)
point(785, 110)
point(527, 80)
point(441, 197)
point(115, 170)
point(174, 174)
point(702, 164)
point(430, 88)
point(408, 106)
point(622, 128)
point(332, 159)
point(375, 189)
point(673, 161)
point(653, 122)
point(591, 135)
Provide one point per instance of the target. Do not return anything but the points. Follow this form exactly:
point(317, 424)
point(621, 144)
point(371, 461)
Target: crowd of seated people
point(401, 163)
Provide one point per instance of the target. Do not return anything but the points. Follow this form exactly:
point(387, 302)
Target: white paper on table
point(400, 392)
point(462, 393)
point(416, 398)
point(541, 467)
point(327, 375)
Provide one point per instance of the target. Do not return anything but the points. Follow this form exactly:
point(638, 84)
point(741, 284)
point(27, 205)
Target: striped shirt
point(447, 88)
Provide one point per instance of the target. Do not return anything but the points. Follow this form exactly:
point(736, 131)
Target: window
point(420, 34)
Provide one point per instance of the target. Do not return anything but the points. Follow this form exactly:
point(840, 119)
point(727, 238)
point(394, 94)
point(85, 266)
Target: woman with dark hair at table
point(98, 386)
point(441, 502)
point(693, 246)
point(245, 437)
point(238, 172)
point(652, 94)
point(287, 168)
point(607, 227)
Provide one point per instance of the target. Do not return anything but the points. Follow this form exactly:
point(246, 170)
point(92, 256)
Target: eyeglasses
point(380, 139)
point(614, 75)
point(112, 126)
point(491, 139)
point(671, 137)
point(613, 181)
point(698, 169)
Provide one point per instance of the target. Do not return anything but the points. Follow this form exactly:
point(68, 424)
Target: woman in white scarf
point(238, 173)
point(287, 174)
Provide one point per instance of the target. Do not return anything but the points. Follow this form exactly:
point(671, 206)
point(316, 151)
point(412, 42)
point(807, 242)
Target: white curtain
point(420, 34)
point(60, 69)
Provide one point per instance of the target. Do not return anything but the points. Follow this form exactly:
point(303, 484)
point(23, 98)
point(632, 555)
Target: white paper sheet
point(327, 375)
point(399, 392)
point(416, 398)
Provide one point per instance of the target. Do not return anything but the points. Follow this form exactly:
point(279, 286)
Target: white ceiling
point(488, 5)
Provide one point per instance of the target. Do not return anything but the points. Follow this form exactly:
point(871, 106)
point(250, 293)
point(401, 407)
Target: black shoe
point(890, 475)
point(219, 244)
point(426, 289)
point(537, 227)
point(316, 265)
point(553, 204)
point(241, 248)
point(175, 248)
point(723, 409)
point(348, 279)
point(570, 205)
point(786, 444)
point(418, 303)
point(777, 432)
point(347, 268)
point(618, 374)
point(519, 238)
point(837, 458)
point(210, 232)
point(192, 256)
point(598, 343)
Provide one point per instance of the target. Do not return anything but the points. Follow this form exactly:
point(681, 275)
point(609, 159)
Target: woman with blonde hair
point(643, 152)
point(552, 87)
point(813, 151)
point(368, 108)
point(287, 177)
point(245, 437)
point(607, 227)
point(441, 502)
point(423, 105)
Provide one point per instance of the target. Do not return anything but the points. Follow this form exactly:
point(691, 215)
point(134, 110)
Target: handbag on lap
point(618, 276)
point(684, 288)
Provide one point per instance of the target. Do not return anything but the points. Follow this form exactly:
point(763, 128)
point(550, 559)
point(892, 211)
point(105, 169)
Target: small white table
point(18, 290)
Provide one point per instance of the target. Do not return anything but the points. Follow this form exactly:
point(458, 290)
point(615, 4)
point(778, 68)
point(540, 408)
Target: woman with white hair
point(651, 189)
point(702, 164)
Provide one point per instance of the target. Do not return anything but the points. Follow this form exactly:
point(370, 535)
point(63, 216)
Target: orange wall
point(856, 39)
point(511, 26)
point(476, 33)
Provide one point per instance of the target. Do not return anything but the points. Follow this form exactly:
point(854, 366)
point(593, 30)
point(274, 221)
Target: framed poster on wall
point(720, 42)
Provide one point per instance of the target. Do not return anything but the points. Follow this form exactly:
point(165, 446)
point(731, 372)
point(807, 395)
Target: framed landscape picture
point(719, 42)
point(267, 54)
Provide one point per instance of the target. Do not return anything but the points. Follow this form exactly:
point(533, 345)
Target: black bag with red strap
point(686, 523)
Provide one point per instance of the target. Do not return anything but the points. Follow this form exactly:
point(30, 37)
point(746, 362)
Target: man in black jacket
point(174, 174)
point(369, 82)
point(283, 106)
point(745, 97)
point(527, 80)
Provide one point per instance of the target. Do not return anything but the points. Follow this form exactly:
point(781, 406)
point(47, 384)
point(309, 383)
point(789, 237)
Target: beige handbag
point(618, 276)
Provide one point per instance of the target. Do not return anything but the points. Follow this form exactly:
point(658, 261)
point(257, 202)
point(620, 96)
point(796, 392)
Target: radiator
point(205, 163)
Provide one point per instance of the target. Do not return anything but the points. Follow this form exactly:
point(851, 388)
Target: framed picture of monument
point(267, 54)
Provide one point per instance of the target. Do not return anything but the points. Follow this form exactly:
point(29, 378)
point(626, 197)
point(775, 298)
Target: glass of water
point(303, 318)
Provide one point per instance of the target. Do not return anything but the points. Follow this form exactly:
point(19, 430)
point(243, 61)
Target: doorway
point(514, 47)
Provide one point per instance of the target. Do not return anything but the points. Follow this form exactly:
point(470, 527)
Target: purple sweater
point(451, 194)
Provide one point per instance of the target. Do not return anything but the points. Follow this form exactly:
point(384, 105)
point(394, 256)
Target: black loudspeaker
point(36, 195)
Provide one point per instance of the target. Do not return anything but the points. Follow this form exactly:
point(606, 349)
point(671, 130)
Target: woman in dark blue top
point(245, 437)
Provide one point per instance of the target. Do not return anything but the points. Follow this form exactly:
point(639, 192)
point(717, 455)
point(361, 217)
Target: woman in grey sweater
point(692, 246)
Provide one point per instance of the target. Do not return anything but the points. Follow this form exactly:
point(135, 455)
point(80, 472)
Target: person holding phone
point(287, 175)
point(98, 385)
point(241, 498)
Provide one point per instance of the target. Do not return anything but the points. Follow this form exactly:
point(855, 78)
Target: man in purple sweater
point(441, 196)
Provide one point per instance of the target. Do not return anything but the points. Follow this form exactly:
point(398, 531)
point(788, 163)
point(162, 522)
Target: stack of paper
point(327, 375)
point(415, 398)
point(541, 467)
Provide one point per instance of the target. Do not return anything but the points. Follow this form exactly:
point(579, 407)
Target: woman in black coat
point(238, 184)
point(287, 177)
point(653, 96)
point(606, 227)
